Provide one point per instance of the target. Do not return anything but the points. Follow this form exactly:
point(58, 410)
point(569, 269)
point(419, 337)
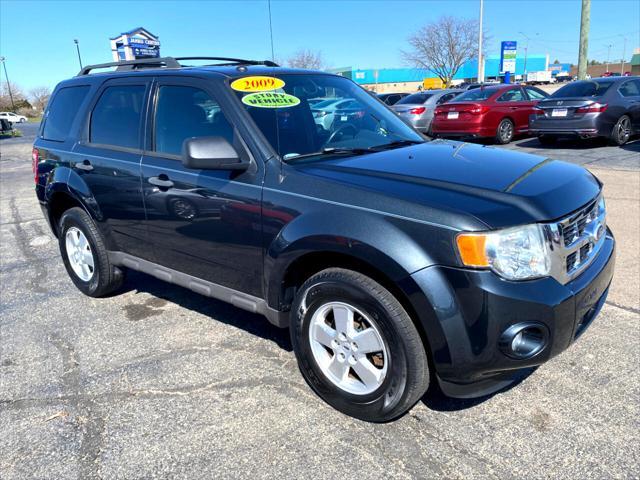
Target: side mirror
point(211, 153)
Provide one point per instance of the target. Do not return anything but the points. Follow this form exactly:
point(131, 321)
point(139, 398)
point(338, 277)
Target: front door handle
point(84, 165)
point(161, 181)
point(513, 108)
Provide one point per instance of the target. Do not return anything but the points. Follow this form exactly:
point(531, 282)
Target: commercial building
point(409, 79)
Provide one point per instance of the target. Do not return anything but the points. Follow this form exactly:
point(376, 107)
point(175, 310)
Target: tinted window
point(585, 88)
point(116, 117)
point(62, 112)
point(515, 95)
point(185, 112)
point(630, 88)
point(477, 94)
point(416, 98)
point(535, 94)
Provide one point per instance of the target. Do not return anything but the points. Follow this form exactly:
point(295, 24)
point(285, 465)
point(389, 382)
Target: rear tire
point(85, 255)
point(330, 315)
point(504, 134)
point(621, 132)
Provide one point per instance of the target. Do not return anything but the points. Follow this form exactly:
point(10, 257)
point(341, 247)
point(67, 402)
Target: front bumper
point(470, 309)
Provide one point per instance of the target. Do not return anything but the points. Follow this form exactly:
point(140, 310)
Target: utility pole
point(584, 39)
point(75, 40)
point(608, 55)
point(4, 65)
point(624, 52)
point(480, 59)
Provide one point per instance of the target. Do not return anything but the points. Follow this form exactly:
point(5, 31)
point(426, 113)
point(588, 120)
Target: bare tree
point(444, 46)
point(5, 98)
point(308, 59)
point(39, 97)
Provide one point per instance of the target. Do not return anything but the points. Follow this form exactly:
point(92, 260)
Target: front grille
point(580, 236)
point(573, 228)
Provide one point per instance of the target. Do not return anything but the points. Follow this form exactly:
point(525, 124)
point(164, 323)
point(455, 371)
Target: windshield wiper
point(330, 151)
point(395, 144)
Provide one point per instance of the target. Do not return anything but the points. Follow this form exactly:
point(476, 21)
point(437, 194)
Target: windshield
point(279, 106)
point(415, 98)
point(582, 89)
point(475, 95)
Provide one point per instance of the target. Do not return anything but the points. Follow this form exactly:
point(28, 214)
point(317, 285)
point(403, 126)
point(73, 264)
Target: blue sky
point(37, 37)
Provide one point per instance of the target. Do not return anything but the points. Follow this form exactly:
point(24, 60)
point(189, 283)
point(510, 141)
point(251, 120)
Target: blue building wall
point(468, 70)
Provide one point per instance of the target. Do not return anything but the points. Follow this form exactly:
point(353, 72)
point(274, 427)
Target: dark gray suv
point(602, 107)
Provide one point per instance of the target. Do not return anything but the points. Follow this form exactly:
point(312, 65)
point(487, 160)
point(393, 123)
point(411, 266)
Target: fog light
point(524, 340)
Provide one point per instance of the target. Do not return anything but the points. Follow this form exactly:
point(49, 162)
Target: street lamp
point(75, 40)
point(4, 65)
point(624, 52)
point(526, 52)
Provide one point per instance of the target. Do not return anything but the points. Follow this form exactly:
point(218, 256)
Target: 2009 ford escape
point(395, 262)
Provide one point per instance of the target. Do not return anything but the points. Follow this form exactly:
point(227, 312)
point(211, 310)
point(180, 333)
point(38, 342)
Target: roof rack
point(170, 62)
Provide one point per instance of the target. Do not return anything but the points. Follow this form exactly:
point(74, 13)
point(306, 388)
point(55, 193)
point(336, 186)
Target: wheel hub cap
point(79, 254)
point(348, 347)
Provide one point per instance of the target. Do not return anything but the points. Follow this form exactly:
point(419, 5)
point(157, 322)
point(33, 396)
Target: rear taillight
point(417, 110)
point(479, 110)
point(35, 156)
point(594, 107)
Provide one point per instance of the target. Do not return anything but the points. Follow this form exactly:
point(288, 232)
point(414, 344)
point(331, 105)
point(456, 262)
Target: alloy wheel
point(348, 347)
point(79, 254)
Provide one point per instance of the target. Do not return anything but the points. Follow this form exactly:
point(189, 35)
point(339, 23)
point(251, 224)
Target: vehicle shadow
point(434, 399)
point(632, 146)
point(219, 311)
point(564, 143)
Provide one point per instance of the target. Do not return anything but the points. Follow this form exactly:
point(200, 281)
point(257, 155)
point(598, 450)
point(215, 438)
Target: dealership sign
point(508, 57)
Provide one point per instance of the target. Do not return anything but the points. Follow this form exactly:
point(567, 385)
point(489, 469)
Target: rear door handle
point(161, 181)
point(513, 108)
point(84, 165)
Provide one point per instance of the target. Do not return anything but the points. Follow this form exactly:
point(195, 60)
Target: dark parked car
point(391, 98)
point(499, 112)
point(601, 107)
point(395, 262)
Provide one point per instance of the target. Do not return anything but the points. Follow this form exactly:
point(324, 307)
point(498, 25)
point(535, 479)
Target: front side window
point(115, 119)
point(630, 88)
point(185, 112)
point(348, 119)
point(62, 112)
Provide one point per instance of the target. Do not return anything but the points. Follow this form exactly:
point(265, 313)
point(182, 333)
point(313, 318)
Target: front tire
point(357, 347)
point(85, 255)
point(621, 131)
point(505, 131)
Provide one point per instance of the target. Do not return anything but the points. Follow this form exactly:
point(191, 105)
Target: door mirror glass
point(211, 153)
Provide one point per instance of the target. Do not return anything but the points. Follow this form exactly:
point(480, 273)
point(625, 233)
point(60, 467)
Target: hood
point(499, 187)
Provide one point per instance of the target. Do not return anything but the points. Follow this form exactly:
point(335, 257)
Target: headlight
point(518, 253)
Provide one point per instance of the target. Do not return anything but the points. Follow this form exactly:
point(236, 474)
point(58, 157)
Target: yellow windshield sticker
point(270, 100)
point(257, 84)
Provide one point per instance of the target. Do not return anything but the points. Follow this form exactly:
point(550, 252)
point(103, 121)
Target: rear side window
point(477, 94)
point(115, 119)
point(512, 96)
point(63, 111)
point(585, 88)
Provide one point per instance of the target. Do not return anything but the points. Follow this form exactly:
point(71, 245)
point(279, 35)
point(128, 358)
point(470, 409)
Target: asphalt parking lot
point(159, 382)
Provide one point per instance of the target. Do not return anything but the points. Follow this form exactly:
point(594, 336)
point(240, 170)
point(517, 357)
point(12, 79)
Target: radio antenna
point(273, 58)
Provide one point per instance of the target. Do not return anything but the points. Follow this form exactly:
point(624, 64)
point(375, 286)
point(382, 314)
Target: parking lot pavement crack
point(39, 270)
point(623, 307)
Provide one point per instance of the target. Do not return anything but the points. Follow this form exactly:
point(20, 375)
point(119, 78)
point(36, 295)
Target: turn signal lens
point(472, 248)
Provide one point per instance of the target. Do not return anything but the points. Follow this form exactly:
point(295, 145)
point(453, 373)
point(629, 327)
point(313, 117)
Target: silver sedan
point(417, 109)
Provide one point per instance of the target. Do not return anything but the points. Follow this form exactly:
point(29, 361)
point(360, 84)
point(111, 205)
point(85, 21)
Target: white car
point(12, 117)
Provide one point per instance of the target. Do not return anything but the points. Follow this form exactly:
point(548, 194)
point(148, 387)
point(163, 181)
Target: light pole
point(480, 62)
point(4, 65)
point(624, 52)
point(526, 52)
point(75, 40)
point(608, 55)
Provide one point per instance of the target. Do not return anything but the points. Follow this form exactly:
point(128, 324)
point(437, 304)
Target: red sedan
point(499, 112)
